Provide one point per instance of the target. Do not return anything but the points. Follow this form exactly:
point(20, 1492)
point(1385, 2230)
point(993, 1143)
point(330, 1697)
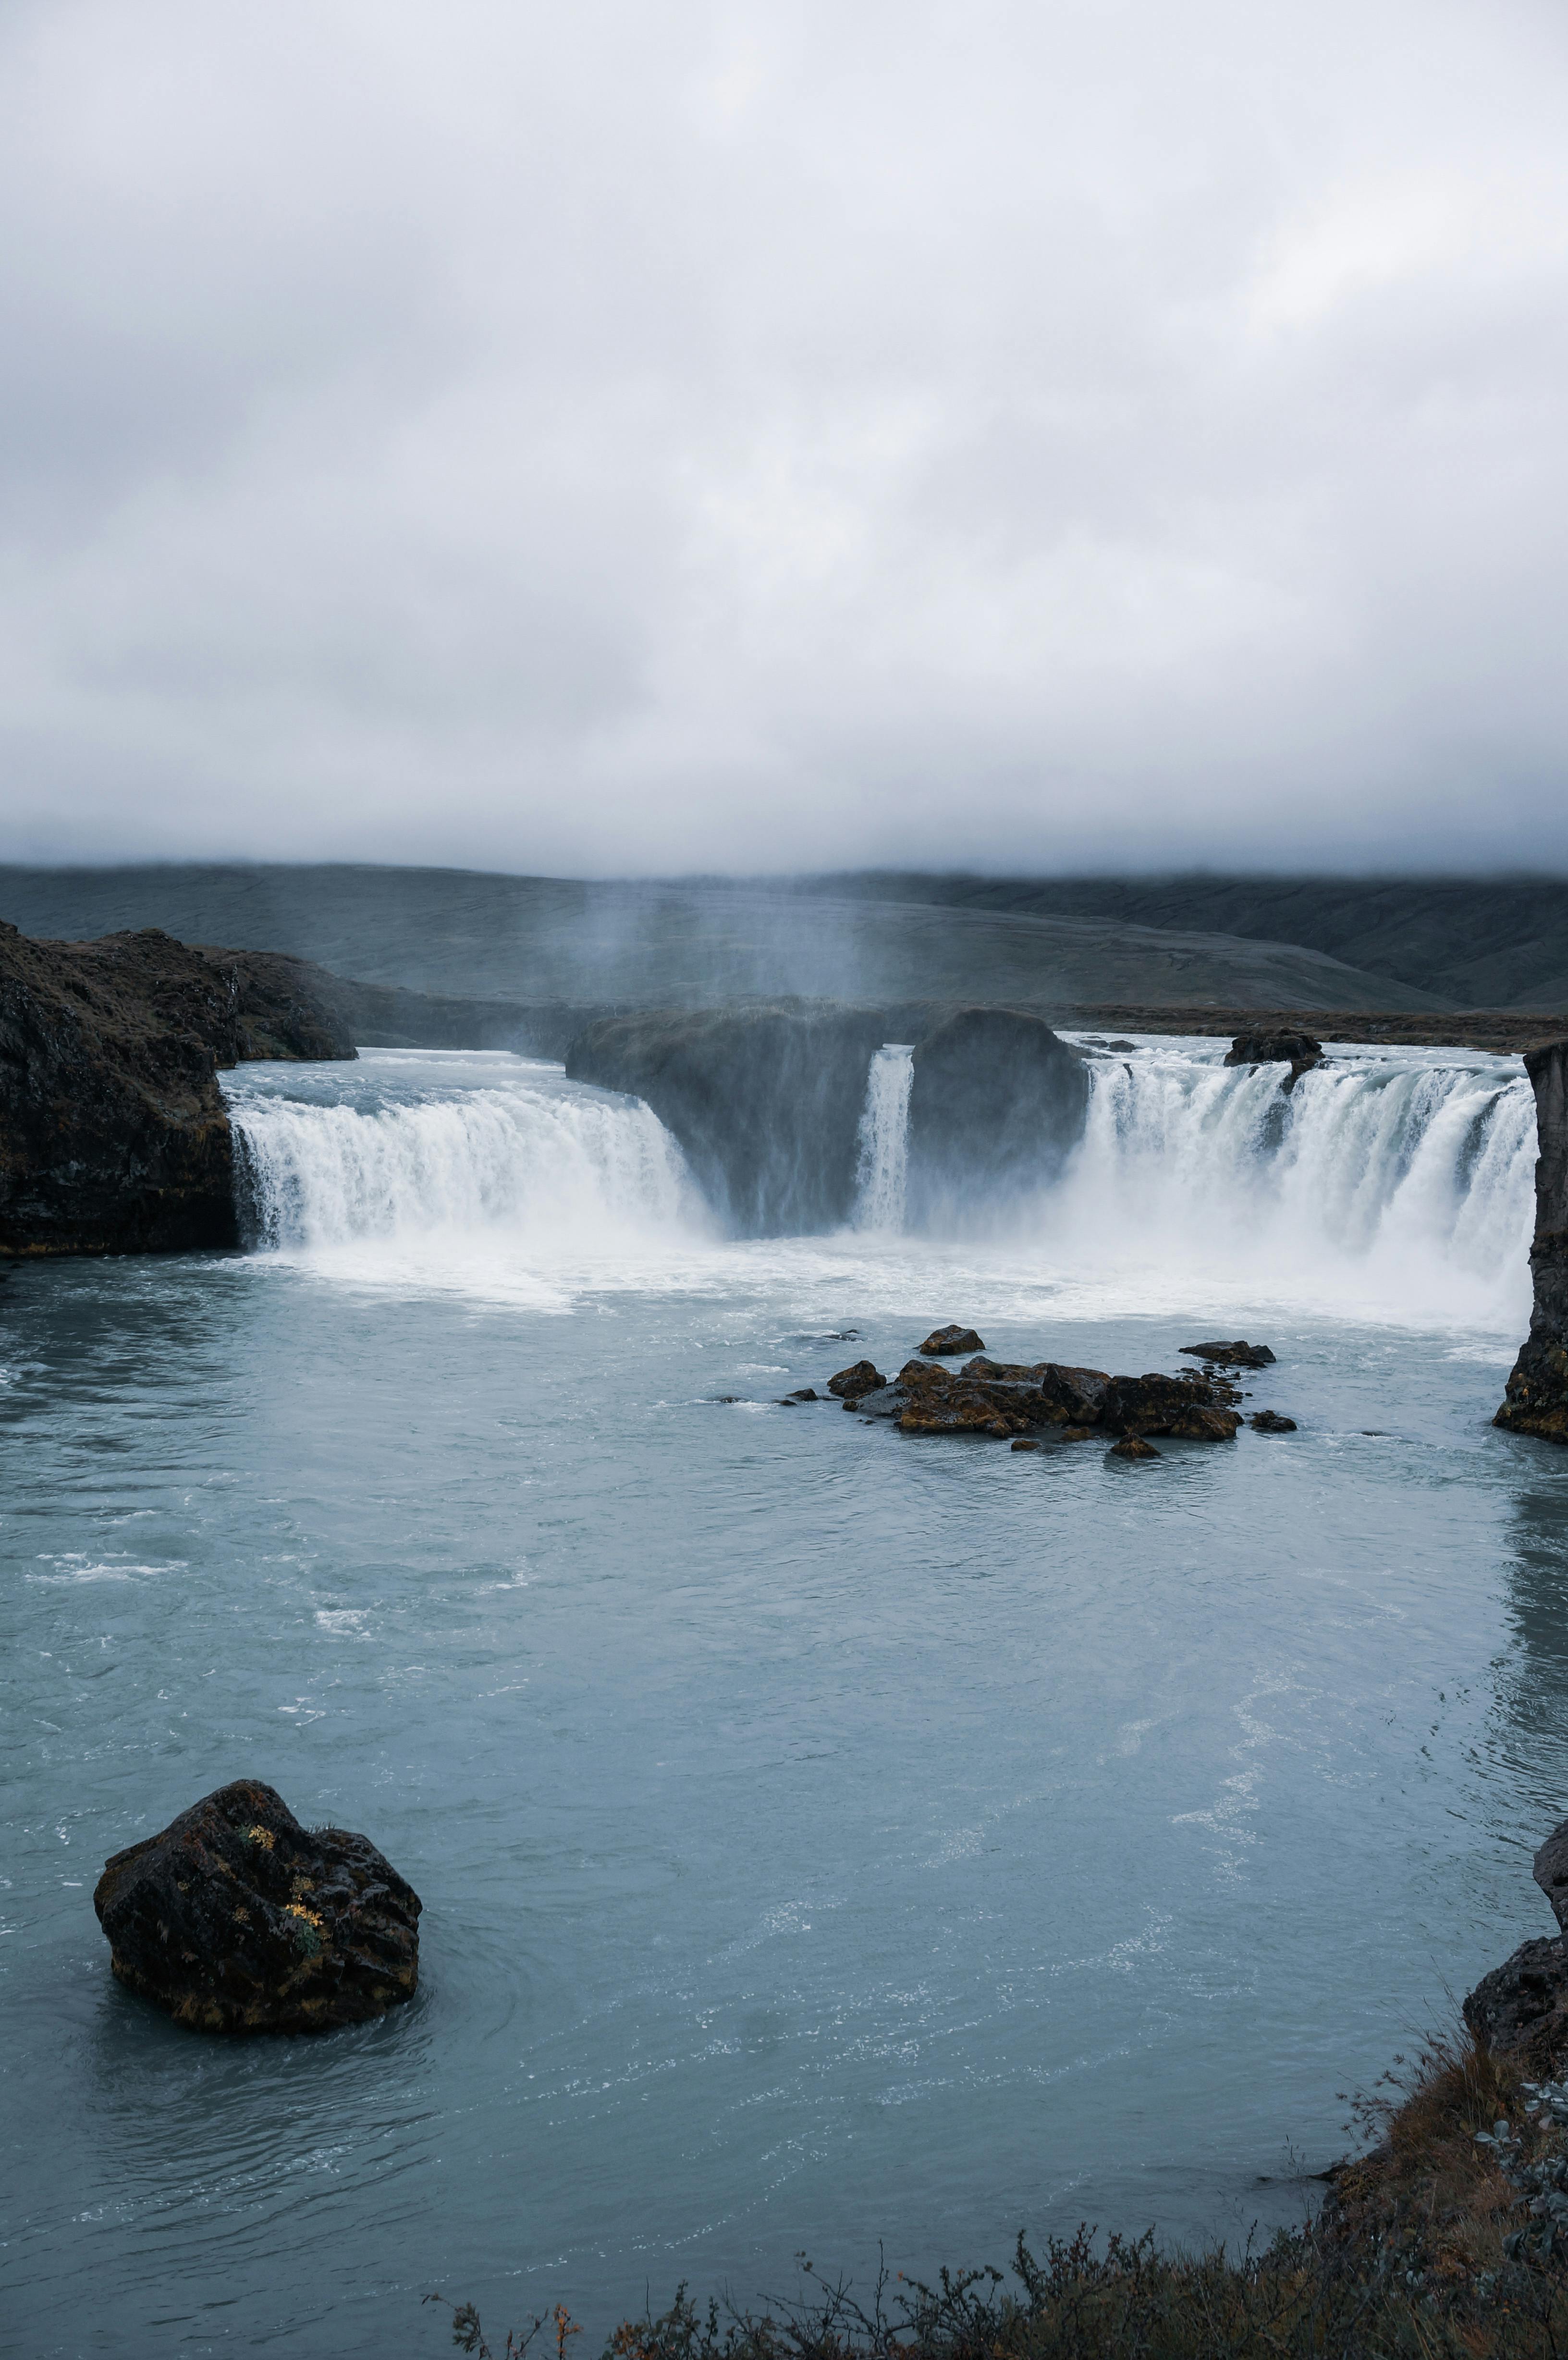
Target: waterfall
point(1395, 1177)
point(884, 1140)
point(552, 1164)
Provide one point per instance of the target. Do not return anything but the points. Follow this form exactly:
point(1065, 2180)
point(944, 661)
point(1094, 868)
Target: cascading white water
point(522, 1153)
point(884, 1140)
point(1399, 1179)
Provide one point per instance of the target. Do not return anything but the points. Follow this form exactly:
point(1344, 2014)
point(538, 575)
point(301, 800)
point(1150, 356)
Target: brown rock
point(1025, 1442)
point(1520, 2009)
point(1239, 1355)
point(1160, 1405)
point(1268, 1421)
point(1132, 1446)
point(1201, 1425)
point(863, 1377)
point(1277, 1045)
point(943, 1342)
point(237, 1918)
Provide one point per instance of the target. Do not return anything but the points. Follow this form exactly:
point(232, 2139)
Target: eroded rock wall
point(1536, 1401)
point(998, 1105)
point(766, 1102)
point(113, 1136)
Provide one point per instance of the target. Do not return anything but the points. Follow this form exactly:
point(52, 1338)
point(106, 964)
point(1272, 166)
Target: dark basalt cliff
point(114, 1137)
point(996, 1105)
point(766, 1102)
point(1536, 1401)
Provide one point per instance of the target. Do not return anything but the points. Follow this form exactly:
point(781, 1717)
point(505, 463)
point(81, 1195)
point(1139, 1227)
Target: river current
point(826, 1839)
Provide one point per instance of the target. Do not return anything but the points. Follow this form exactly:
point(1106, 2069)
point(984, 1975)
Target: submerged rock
point(1268, 1421)
point(863, 1377)
point(1239, 1355)
point(235, 1918)
point(944, 1342)
point(1025, 1442)
point(1280, 1045)
point(1536, 1398)
point(1132, 1446)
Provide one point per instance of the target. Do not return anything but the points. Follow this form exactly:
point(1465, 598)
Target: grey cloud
point(611, 439)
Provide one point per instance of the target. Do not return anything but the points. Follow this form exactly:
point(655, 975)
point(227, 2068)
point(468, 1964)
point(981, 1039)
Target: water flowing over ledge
point(459, 1146)
point(1399, 1183)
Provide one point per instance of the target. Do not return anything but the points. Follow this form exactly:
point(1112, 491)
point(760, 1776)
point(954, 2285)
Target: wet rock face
point(1521, 2008)
point(996, 1104)
point(237, 1918)
point(1132, 1446)
point(1536, 1399)
point(1280, 1046)
point(1549, 1869)
point(863, 1377)
point(1268, 1421)
point(113, 1136)
point(1189, 1407)
point(766, 1102)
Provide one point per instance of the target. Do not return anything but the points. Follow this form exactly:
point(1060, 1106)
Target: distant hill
point(476, 934)
point(1487, 942)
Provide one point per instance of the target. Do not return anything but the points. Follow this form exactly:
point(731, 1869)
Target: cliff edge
point(114, 1137)
point(1536, 1401)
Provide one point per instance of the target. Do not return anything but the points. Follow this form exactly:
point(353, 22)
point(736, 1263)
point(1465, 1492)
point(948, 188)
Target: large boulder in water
point(766, 1101)
point(996, 1105)
point(1536, 1401)
point(237, 1918)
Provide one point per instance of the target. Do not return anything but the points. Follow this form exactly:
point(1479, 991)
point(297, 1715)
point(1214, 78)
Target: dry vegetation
point(1440, 2243)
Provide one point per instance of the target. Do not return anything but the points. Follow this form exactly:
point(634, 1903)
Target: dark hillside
point(470, 934)
point(1498, 942)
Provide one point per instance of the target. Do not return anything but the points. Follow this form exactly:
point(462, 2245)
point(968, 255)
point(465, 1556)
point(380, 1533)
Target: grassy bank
point(1440, 2243)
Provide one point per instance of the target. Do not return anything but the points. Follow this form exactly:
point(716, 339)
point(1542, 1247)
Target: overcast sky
point(605, 438)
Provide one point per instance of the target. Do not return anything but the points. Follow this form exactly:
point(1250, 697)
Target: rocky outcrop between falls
point(114, 1137)
point(1536, 1398)
point(996, 1105)
point(766, 1101)
point(235, 1918)
point(1277, 1045)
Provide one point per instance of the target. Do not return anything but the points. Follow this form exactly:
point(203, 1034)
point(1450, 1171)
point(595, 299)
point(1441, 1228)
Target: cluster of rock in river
point(1016, 1401)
